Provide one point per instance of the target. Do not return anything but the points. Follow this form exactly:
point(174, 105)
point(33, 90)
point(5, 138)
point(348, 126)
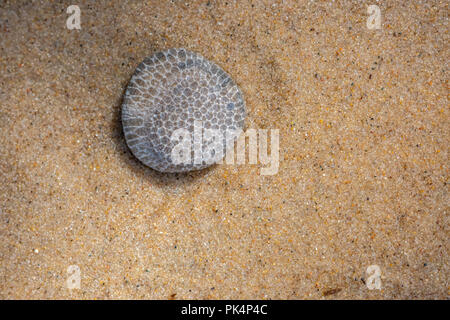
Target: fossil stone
point(179, 89)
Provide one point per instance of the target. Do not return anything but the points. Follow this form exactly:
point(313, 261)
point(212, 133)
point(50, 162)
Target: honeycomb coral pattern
point(175, 89)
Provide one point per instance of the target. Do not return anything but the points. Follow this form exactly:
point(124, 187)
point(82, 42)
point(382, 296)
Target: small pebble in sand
point(179, 89)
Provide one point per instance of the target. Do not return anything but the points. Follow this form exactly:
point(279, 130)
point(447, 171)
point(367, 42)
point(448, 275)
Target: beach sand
point(363, 120)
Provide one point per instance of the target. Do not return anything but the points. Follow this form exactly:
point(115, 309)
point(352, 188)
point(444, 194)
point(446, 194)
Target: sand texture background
point(363, 176)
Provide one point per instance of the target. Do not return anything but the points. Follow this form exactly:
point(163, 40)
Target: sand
point(363, 118)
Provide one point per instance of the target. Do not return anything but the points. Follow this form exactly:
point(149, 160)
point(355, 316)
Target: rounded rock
point(171, 107)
